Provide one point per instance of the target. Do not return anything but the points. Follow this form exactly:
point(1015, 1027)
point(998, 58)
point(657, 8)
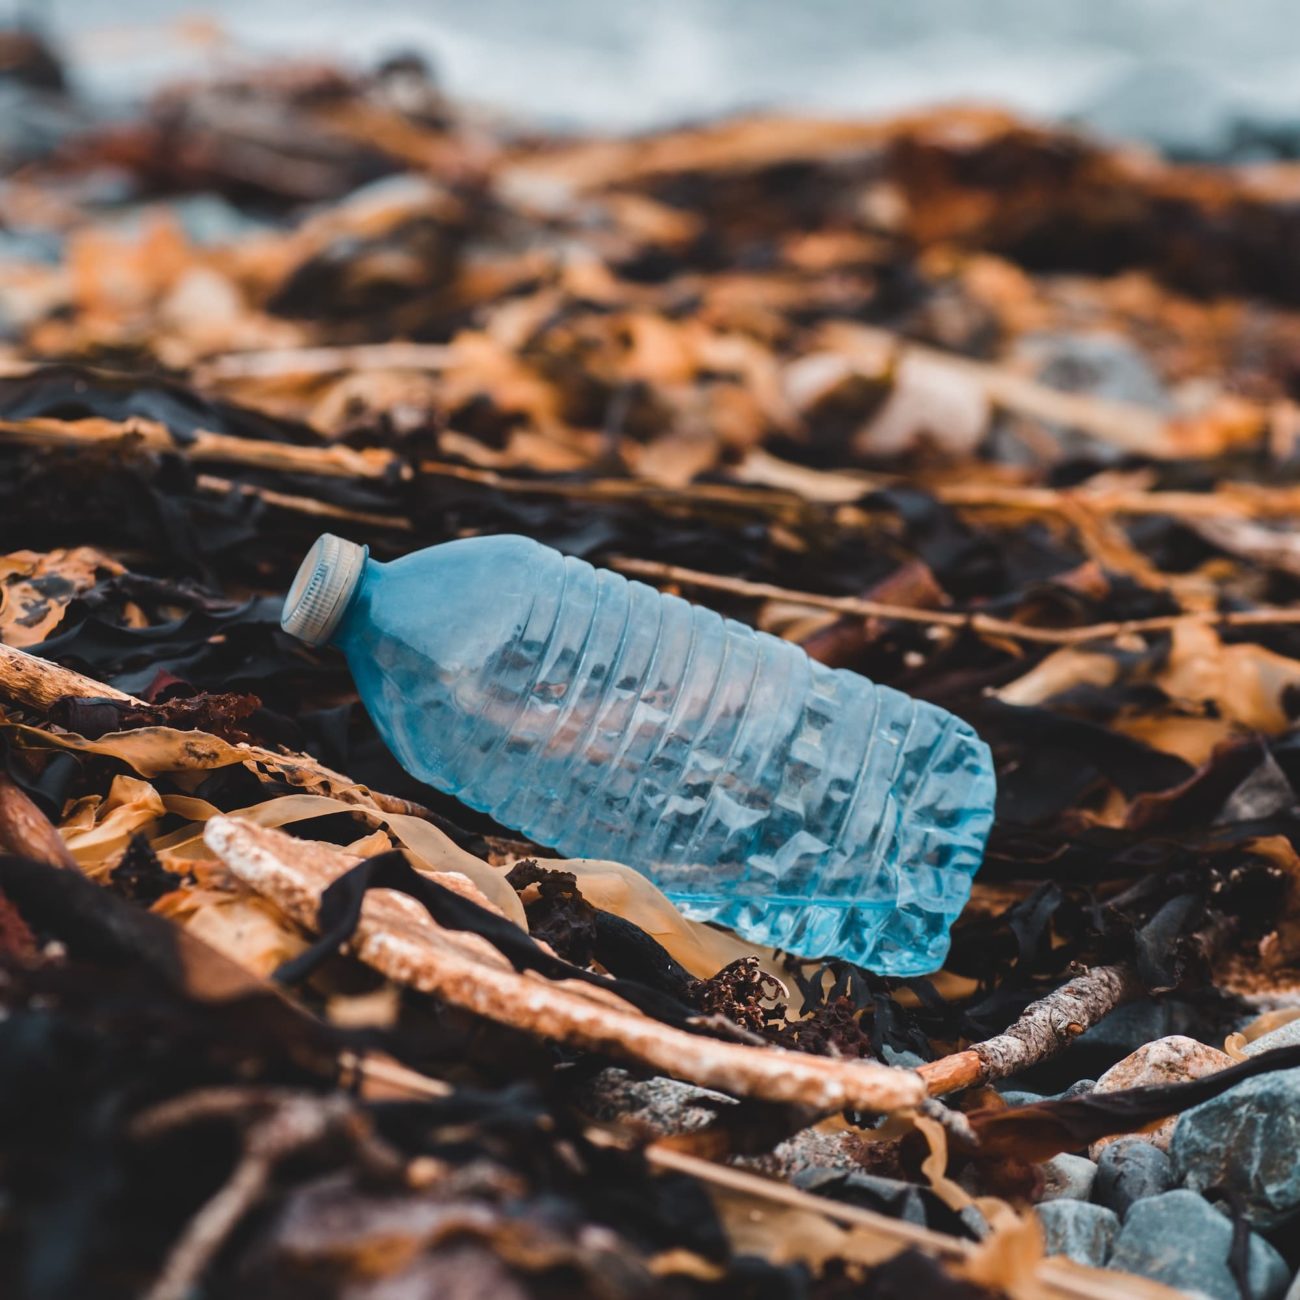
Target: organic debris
point(987, 411)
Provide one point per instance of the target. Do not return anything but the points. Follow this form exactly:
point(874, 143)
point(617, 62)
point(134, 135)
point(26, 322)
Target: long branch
point(1269, 616)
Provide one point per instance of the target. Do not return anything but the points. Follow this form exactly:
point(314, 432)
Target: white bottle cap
point(322, 588)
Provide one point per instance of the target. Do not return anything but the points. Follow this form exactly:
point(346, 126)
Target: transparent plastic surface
point(800, 805)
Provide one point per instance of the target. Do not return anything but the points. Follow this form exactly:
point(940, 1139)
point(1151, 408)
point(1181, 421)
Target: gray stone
point(1080, 1089)
point(1101, 364)
point(1246, 1140)
point(658, 1105)
point(1016, 1097)
point(901, 1058)
point(1067, 1176)
point(890, 1196)
point(1287, 1035)
point(1023, 1097)
point(1181, 1240)
point(1131, 1170)
point(1084, 1232)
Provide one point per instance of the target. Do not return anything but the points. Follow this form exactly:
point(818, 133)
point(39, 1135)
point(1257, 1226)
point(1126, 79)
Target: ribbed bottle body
point(800, 805)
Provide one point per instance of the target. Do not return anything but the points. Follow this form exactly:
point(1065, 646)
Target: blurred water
point(1177, 72)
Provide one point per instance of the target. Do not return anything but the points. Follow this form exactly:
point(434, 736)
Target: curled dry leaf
point(35, 589)
point(1246, 683)
point(399, 939)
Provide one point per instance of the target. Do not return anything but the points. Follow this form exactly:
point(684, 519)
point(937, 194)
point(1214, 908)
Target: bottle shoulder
point(452, 601)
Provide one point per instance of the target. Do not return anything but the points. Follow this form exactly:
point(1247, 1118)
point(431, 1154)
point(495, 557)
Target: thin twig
point(663, 1156)
point(294, 1123)
point(1228, 500)
point(279, 362)
point(335, 461)
point(976, 622)
point(302, 505)
point(211, 1226)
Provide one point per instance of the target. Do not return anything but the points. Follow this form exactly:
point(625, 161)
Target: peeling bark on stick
point(1045, 1028)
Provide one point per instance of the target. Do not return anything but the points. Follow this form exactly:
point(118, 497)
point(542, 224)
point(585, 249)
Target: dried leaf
point(35, 589)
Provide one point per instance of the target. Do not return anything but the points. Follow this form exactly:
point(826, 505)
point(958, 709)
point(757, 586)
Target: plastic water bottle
point(799, 805)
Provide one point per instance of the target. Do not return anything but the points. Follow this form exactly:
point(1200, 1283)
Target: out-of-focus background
point(1195, 77)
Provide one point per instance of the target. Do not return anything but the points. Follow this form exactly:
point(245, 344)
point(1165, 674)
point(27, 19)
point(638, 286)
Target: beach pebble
point(1246, 1140)
point(901, 1058)
point(1081, 1089)
point(1183, 1241)
point(1067, 1176)
point(1287, 1036)
point(1084, 1232)
point(1168, 1060)
point(1130, 1170)
point(1018, 1097)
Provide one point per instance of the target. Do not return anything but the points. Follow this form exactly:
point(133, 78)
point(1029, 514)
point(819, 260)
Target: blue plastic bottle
point(800, 805)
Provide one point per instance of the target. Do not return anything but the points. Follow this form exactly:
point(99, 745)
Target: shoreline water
point(1179, 74)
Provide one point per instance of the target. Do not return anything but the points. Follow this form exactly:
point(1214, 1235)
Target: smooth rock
point(660, 1106)
point(1131, 1169)
point(1080, 1089)
point(1017, 1097)
point(1067, 1176)
point(1168, 1060)
point(1287, 1035)
point(1102, 364)
point(1084, 1232)
point(1183, 1241)
point(1246, 1140)
point(901, 1059)
point(891, 1196)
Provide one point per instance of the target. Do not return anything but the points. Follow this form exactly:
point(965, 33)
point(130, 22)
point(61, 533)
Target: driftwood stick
point(1045, 1028)
point(303, 505)
point(335, 461)
point(856, 605)
point(40, 685)
point(1228, 500)
point(277, 362)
